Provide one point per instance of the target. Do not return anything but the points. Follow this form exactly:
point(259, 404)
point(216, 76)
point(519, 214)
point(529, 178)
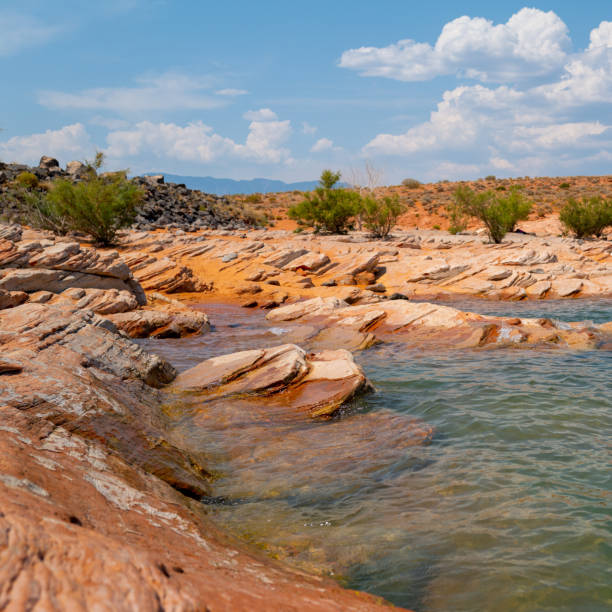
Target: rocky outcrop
point(523, 267)
point(55, 266)
point(164, 205)
point(96, 505)
point(421, 324)
point(283, 376)
point(53, 271)
point(146, 323)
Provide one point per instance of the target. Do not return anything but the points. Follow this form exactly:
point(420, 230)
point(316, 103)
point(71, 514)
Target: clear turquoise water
point(507, 507)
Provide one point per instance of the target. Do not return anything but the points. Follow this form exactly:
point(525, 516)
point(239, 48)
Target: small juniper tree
point(97, 205)
point(500, 213)
point(588, 217)
point(328, 207)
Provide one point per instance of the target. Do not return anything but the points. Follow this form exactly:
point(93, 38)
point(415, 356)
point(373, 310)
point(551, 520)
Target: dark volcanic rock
point(164, 205)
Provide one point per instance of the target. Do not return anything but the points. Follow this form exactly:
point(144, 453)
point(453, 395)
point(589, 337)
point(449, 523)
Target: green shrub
point(588, 217)
point(499, 213)
point(490, 177)
point(411, 183)
point(457, 217)
point(380, 216)
point(564, 186)
point(35, 209)
point(27, 180)
point(97, 205)
point(327, 208)
point(253, 198)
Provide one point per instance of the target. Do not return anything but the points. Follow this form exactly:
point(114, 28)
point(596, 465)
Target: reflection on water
point(476, 480)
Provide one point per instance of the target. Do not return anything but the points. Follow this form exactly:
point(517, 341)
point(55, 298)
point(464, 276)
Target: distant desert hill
point(225, 186)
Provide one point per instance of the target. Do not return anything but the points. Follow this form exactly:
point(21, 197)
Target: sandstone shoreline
point(98, 506)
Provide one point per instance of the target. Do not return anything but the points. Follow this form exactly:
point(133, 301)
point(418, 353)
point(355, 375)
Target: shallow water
point(472, 480)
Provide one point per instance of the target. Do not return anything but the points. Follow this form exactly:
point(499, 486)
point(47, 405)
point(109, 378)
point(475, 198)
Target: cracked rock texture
point(97, 509)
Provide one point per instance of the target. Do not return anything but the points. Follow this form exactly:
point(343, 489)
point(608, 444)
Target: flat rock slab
point(421, 323)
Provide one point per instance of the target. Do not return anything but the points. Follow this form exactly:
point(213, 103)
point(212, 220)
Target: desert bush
point(97, 205)
point(490, 177)
point(380, 215)
point(499, 213)
point(543, 210)
point(411, 183)
point(27, 180)
point(327, 207)
point(253, 198)
point(564, 186)
point(588, 217)
point(35, 209)
point(457, 217)
point(251, 216)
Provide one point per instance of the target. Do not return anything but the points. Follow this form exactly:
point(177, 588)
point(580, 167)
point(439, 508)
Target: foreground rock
point(421, 324)
point(53, 271)
point(95, 503)
point(277, 381)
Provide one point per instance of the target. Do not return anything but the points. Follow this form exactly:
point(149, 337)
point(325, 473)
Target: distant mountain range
point(221, 186)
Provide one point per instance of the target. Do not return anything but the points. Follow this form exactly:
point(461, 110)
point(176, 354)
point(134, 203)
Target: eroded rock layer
point(422, 324)
point(96, 508)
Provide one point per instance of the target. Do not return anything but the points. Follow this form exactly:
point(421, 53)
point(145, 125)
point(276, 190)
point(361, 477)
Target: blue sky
point(431, 90)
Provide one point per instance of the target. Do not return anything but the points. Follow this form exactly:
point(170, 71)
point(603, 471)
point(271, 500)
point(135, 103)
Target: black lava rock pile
point(164, 205)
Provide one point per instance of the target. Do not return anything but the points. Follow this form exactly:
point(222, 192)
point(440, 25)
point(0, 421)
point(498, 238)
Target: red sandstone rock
point(423, 323)
point(92, 510)
point(317, 384)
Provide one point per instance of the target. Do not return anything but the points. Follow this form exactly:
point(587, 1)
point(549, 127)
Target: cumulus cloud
point(518, 128)
point(195, 141)
point(531, 43)
point(67, 143)
point(263, 114)
point(22, 31)
point(323, 144)
point(169, 91)
point(476, 117)
point(588, 75)
point(199, 142)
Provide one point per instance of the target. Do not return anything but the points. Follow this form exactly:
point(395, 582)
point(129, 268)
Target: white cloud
point(588, 75)
point(231, 92)
point(500, 163)
point(264, 141)
point(556, 135)
point(517, 128)
point(323, 144)
point(199, 142)
point(308, 129)
point(68, 143)
point(530, 43)
point(21, 31)
point(263, 114)
point(195, 141)
point(169, 91)
point(601, 36)
point(457, 123)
